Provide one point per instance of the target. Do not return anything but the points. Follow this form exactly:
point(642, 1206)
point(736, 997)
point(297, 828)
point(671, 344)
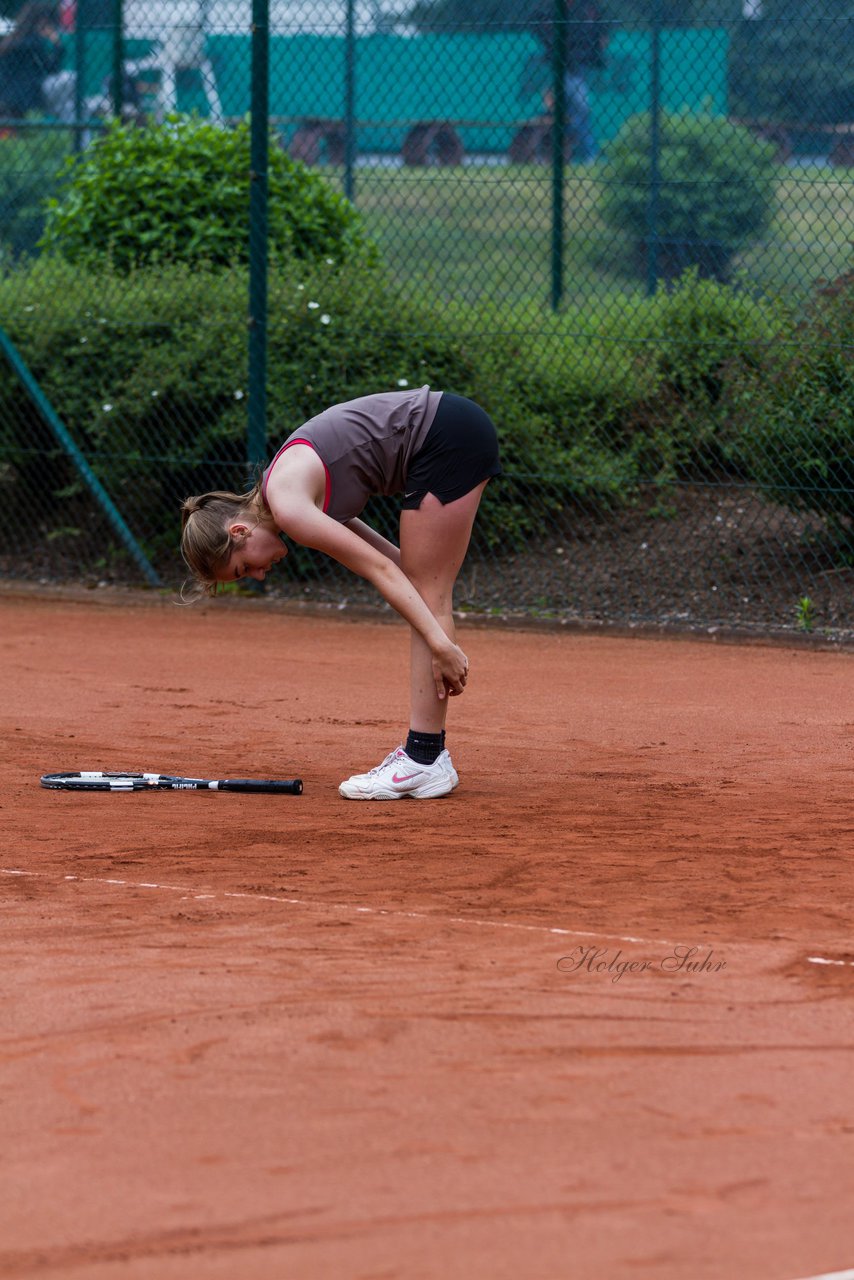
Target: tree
point(472, 16)
point(786, 65)
point(489, 16)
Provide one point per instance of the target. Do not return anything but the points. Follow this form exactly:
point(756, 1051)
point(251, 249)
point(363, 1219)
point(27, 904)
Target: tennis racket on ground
point(166, 782)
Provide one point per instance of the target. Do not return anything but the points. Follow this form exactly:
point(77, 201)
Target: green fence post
point(118, 94)
point(51, 417)
point(654, 154)
point(751, 14)
point(558, 155)
point(350, 101)
point(80, 25)
point(256, 444)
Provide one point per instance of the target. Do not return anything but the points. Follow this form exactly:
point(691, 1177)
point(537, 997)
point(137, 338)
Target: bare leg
point(433, 543)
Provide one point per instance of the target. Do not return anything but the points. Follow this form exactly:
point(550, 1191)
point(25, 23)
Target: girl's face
point(258, 550)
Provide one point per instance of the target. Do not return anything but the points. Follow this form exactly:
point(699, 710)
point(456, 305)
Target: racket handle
point(291, 787)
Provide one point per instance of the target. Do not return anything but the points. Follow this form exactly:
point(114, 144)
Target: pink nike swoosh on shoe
point(396, 777)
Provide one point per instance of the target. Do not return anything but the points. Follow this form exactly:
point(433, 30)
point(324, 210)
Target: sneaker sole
point(434, 792)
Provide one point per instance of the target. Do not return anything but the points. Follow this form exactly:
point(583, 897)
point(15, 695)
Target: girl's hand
point(450, 670)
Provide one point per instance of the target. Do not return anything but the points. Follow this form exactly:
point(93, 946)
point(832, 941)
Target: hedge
point(791, 415)
point(148, 370)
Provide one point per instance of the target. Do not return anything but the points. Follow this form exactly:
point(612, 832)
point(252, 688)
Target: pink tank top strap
point(289, 445)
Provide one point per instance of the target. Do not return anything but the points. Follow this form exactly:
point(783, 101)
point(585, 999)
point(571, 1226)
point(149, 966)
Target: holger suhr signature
point(602, 960)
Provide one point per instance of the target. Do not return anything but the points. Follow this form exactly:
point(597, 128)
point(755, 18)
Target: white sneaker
point(398, 777)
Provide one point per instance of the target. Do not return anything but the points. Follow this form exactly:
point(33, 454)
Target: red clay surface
point(258, 1038)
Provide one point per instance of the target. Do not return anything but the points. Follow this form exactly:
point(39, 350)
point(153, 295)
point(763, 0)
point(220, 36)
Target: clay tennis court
point(262, 1037)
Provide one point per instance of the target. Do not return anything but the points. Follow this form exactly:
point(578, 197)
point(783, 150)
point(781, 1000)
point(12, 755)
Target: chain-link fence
point(624, 228)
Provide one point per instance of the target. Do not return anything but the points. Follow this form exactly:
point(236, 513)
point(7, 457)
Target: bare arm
point(314, 529)
point(295, 494)
point(375, 540)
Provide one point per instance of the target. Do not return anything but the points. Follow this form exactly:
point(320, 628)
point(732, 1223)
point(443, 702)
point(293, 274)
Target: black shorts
point(459, 452)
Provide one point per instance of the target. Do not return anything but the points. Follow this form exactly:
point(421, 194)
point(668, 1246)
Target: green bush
point(694, 337)
point(716, 193)
point(792, 414)
point(30, 160)
point(179, 192)
point(699, 326)
point(641, 391)
point(149, 372)
point(565, 393)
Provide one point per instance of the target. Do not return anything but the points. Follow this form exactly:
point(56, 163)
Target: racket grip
point(290, 787)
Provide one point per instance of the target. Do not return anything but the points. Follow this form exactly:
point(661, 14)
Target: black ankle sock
point(423, 748)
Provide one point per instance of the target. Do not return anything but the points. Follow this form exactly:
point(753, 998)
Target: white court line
point(831, 1275)
point(472, 921)
point(197, 893)
point(190, 891)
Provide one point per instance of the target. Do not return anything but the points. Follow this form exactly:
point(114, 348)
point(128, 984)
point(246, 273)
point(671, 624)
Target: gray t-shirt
point(366, 446)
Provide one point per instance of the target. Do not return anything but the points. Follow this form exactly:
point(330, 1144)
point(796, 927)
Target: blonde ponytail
point(206, 544)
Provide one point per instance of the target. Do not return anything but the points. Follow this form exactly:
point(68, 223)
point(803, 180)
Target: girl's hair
point(206, 544)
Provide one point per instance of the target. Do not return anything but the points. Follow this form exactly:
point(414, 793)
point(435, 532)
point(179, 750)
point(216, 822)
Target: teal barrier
point(491, 81)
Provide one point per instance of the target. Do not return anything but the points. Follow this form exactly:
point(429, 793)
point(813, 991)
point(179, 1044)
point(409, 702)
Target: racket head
point(96, 780)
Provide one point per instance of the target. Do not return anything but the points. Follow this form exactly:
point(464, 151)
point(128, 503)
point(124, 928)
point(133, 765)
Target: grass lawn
point(483, 233)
